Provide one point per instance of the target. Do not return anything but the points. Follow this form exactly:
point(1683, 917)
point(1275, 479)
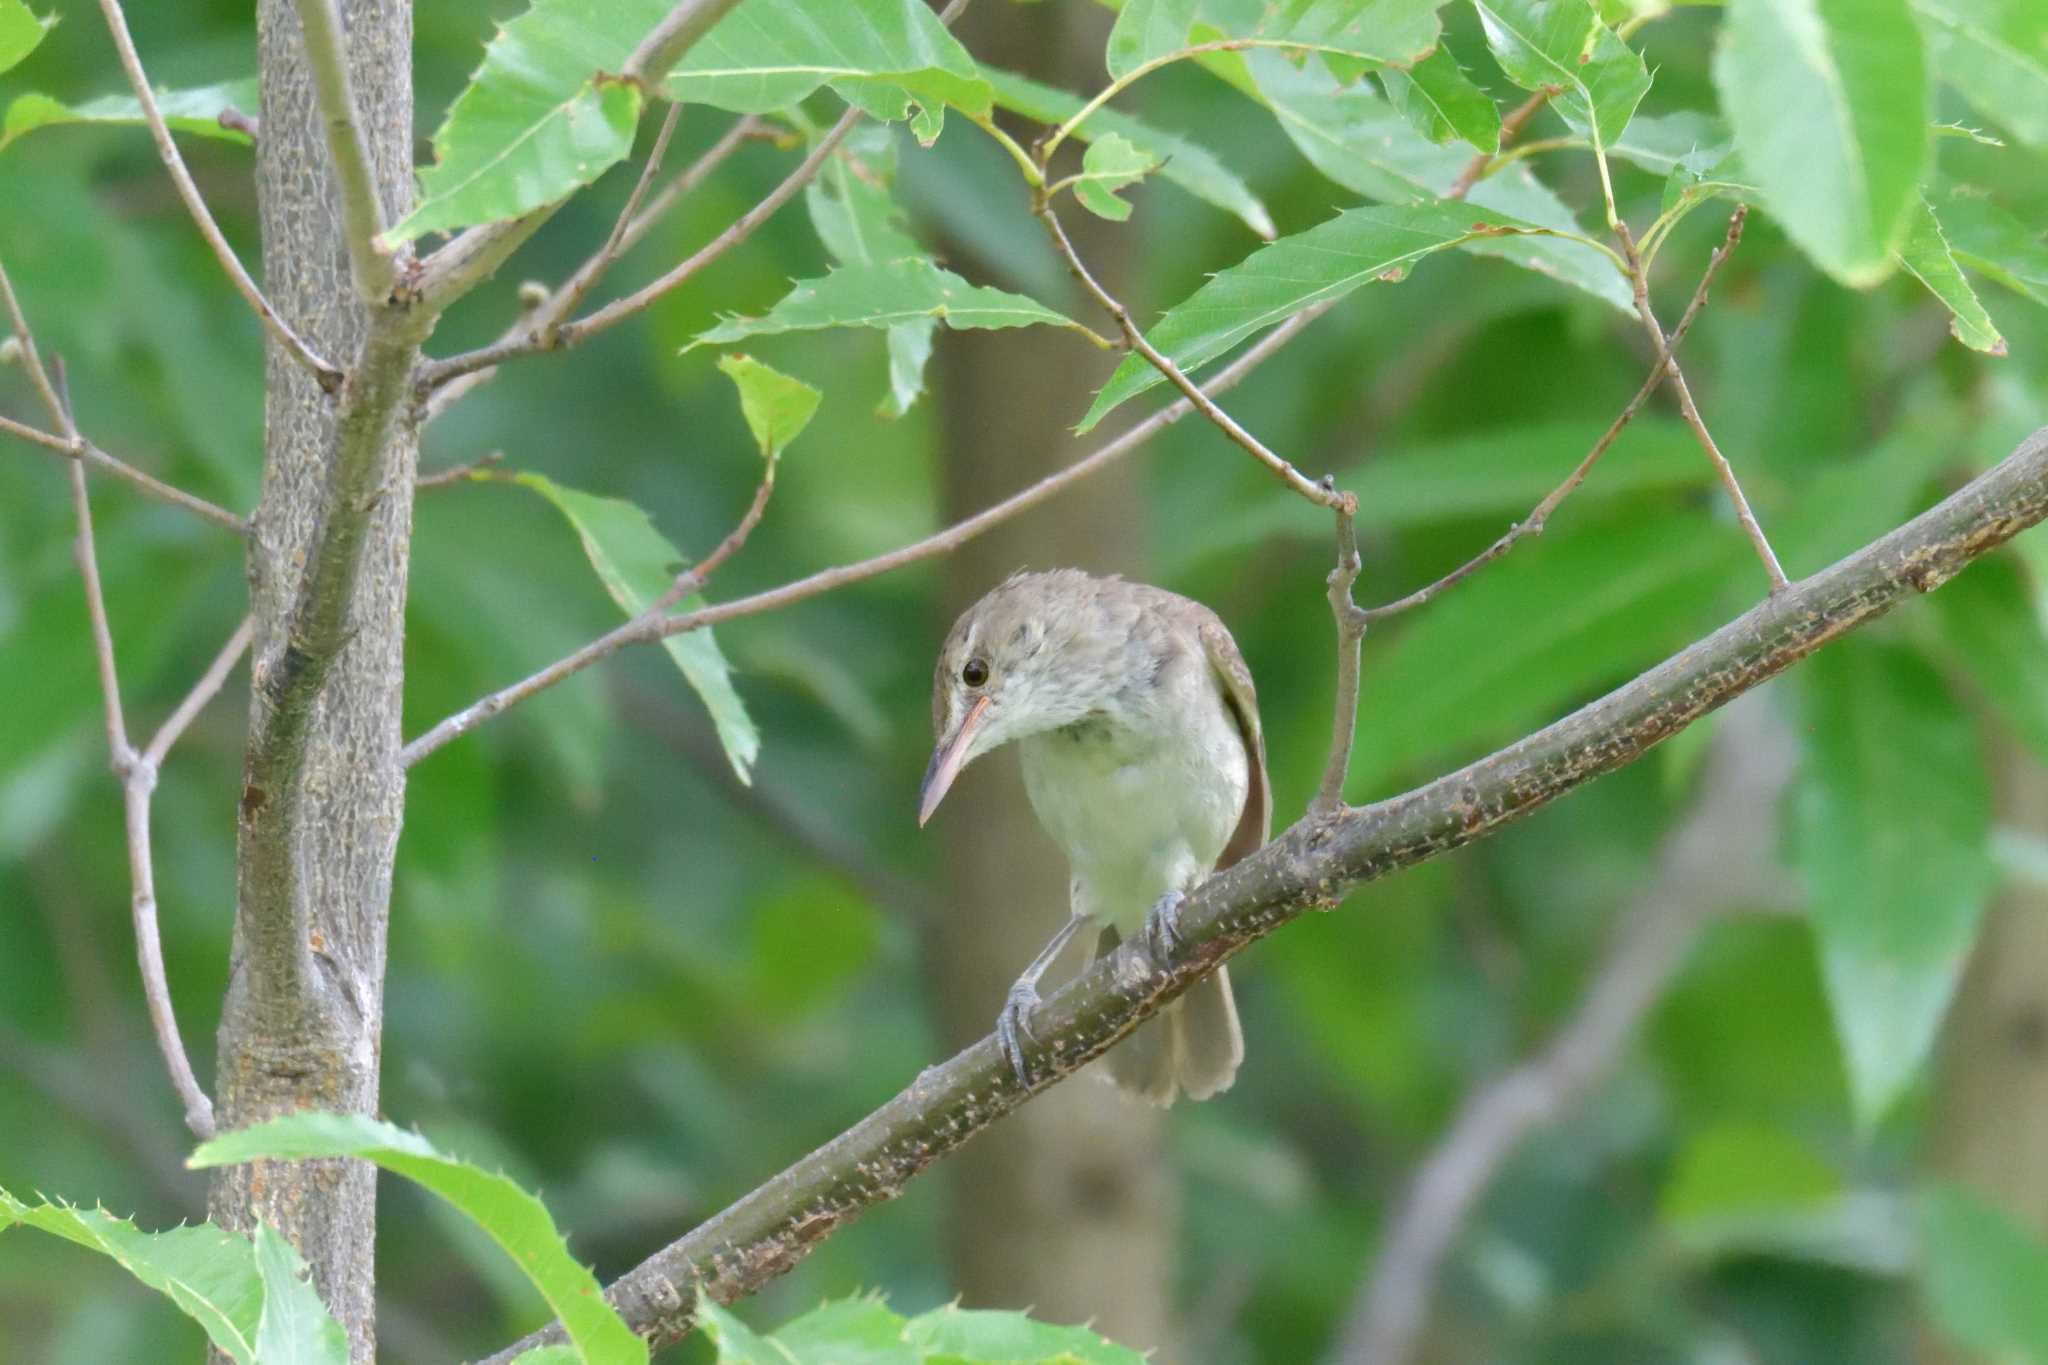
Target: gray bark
point(301, 1025)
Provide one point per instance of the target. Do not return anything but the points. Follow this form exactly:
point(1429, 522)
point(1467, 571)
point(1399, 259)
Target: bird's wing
point(1255, 825)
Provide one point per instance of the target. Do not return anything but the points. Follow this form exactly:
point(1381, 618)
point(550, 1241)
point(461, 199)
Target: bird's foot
point(1162, 926)
point(1013, 1028)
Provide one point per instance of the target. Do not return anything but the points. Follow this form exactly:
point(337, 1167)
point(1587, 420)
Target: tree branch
point(117, 25)
point(640, 630)
point(1351, 623)
point(1311, 865)
point(1539, 515)
point(81, 449)
point(1720, 858)
point(362, 213)
point(666, 43)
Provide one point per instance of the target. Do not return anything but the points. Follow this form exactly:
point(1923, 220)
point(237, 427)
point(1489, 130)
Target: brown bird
point(1143, 757)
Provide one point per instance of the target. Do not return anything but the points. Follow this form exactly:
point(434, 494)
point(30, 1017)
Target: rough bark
point(301, 1025)
point(1067, 1209)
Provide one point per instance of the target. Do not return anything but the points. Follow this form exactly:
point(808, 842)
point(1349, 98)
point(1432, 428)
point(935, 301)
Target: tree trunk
point(301, 1025)
point(1066, 1208)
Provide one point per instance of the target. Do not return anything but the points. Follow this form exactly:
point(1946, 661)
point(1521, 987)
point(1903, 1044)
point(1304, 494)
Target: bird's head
point(1018, 663)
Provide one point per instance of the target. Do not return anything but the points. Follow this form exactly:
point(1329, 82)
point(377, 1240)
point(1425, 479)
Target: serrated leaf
point(194, 111)
point(1364, 31)
point(514, 1219)
point(1986, 1275)
point(737, 1343)
point(882, 56)
point(857, 1331)
point(1829, 100)
point(208, 1272)
point(21, 32)
point(1990, 240)
point(1893, 824)
point(1562, 43)
point(1359, 141)
point(295, 1327)
point(1187, 164)
point(883, 296)
point(968, 1336)
point(777, 406)
point(1440, 101)
point(637, 564)
point(1329, 261)
point(1995, 54)
point(1926, 254)
point(1112, 163)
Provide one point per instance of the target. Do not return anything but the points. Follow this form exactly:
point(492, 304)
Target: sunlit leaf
point(777, 407)
point(194, 111)
point(1829, 101)
point(21, 31)
point(1329, 261)
point(514, 1219)
point(1112, 163)
point(1893, 823)
point(1741, 1168)
point(1562, 43)
point(1926, 253)
point(295, 1327)
point(883, 296)
point(637, 565)
point(1440, 101)
point(989, 1337)
point(1397, 31)
point(1995, 54)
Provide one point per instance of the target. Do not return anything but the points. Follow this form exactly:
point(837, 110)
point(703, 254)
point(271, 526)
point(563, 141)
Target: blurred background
point(642, 988)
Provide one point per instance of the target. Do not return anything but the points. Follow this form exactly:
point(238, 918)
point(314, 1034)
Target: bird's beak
point(948, 759)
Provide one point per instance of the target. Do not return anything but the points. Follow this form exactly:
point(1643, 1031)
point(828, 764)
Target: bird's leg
point(1013, 1024)
point(1162, 926)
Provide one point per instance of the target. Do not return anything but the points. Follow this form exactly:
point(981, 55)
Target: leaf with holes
point(1440, 101)
point(1113, 162)
point(1927, 256)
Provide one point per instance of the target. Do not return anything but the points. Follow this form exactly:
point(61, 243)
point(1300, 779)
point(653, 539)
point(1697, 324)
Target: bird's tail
point(1193, 1045)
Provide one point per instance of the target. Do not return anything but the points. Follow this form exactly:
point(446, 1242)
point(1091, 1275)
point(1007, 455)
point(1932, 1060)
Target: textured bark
point(1067, 1209)
point(301, 1025)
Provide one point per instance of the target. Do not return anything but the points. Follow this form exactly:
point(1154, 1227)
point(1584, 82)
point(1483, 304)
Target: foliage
point(638, 988)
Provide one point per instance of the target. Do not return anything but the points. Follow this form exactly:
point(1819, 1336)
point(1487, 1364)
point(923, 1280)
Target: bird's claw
point(1013, 1028)
point(1162, 926)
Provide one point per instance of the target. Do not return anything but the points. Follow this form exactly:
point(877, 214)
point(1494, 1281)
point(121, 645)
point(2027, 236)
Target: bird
point(1138, 733)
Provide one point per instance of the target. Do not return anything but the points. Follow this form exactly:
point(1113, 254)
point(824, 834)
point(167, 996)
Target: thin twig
point(692, 580)
point(205, 690)
point(1483, 165)
point(542, 319)
point(825, 580)
point(562, 335)
point(1314, 863)
point(362, 212)
point(1640, 281)
point(1309, 488)
point(1351, 623)
point(454, 474)
point(615, 241)
point(1539, 515)
point(668, 40)
point(117, 25)
point(82, 449)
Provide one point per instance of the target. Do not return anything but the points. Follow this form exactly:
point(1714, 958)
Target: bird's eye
point(974, 673)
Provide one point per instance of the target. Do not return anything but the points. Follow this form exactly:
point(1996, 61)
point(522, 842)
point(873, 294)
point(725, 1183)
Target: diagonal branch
point(78, 448)
point(117, 25)
point(1312, 865)
point(646, 628)
point(362, 213)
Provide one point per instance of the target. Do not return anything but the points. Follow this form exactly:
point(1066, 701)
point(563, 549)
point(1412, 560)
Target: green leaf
point(1743, 1168)
point(776, 406)
point(737, 1343)
point(1995, 54)
point(1440, 101)
point(1112, 163)
point(1989, 240)
point(21, 32)
point(1329, 261)
point(186, 111)
point(1986, 1275)
point(295, 1328)
point(1927, 255)
point(1361, 142)
point(1538, 631)
point(910, 350)
point(1189, 165)
point(514, 1219)
point(883, 296)
point(208, 1272)
point(1829, 102)
point(964, 1336)
point(1544, 43)
point(637, 565)
point(856, 1331)
point(1893, 824)
point(1988, 624)
point(1373, 31)
point(882, 56)
point(550, 1355)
